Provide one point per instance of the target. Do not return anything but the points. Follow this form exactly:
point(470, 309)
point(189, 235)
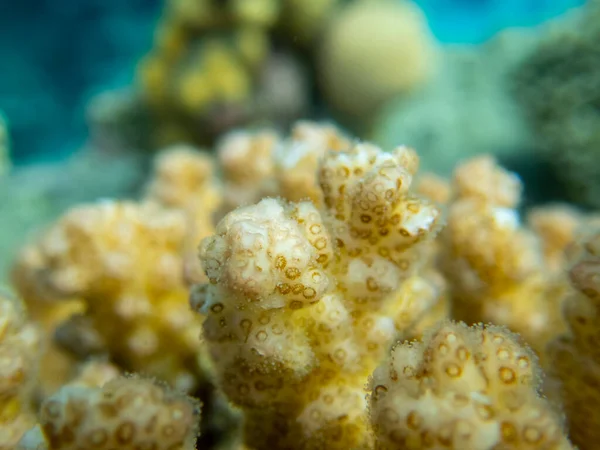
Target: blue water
point(55, 54)
point(475, 21)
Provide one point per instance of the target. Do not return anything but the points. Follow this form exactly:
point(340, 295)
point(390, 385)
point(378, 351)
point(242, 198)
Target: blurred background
point(91, 89)
point(57, 56)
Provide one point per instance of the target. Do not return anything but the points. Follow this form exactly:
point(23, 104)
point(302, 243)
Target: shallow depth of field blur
point(278, 206)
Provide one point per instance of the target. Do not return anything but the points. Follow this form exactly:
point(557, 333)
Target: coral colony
point(305, 292)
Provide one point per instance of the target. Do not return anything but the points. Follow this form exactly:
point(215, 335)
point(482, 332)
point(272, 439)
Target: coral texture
point(125, 413)
point(463, 388)
point(185, 179)
point(576, 355)
point(124, 262)
point(19, 354)
point(495, 265)
point(301, 302)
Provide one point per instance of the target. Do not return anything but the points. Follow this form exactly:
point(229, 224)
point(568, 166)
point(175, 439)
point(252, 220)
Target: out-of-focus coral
point(297, 159)
point(464, 110)
point(373, 51)
point(463, 388)
point(302, 301)
point(125, 413)
point(185, 179)
point(557, 86)
point(213, 65)
point(4, 146)
point(559, 227)
point(19, 357)
point(261, 164)
point(124, 262)
point(576, 357)
point(246, 162)
point(434, 187)
point(33, 196)
point(495, 265)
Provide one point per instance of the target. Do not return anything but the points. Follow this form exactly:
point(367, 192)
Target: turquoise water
point(475, 21)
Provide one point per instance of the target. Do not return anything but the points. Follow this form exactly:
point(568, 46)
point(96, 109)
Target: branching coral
point(124, 262)
point(463, 388)
point(19, 354)
point(496, 266)
point(576, 356)
point(261, 164)
point(185, 179)
point(301, 301)
point(297, 159)
point(246, 161)
point(126, 413)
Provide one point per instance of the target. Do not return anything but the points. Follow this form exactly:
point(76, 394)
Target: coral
point(496, 266)
point(575, 355)
point(48, 312)
point(301, 301)
point(557, 86)
point(185, 179)
point(124, 262)
point(125, 413)
point(297, 159)
point(246, 162)
point(558, 227)
point(461, 388)
point(261, 164)
point(19, 355)
point(464, 109)
point(373, 51)
point(307, 20)
point(209, 69)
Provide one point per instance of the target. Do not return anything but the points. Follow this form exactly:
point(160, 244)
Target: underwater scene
point(300, 225)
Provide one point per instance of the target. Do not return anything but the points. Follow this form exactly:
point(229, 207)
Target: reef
point(307, 290)
point(371, 52)
point(557, 86)
point(463, 388)
point(218, 65)
point(576, 357)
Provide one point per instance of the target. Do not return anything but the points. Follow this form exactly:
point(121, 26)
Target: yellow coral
point(19, 355)
point(495, 265)
point(126, 413)
point(463, 388)
point(297, 159)
point(185, 179)
point(299, 305)
point(576, 355)
point(372, 51)
point(246, 160)
point(124, 261)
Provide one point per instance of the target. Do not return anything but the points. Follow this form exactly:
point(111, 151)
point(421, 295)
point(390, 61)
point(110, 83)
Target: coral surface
point(463, 388)
point(576, 355)
point(125, 413)
point(19, 355)
point(301, 302)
